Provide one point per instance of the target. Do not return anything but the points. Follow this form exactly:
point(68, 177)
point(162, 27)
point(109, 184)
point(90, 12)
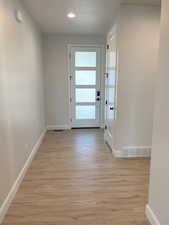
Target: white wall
point(56, 75)
point(159, 182)
point(21, 92)
point(138, 35)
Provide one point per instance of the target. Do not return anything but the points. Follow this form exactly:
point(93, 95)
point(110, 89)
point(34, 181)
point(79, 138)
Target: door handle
point(98, 96)
point(112, 108)
point(98, 93)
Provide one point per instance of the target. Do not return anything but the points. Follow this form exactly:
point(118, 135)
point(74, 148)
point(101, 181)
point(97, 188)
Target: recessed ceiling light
point(71, 15)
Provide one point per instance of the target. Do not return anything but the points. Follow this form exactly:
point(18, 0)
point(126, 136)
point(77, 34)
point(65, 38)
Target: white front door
point(111, 91)
point(85, 86)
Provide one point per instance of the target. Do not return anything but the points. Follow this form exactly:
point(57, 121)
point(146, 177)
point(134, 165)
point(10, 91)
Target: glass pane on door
point(85, 112)
point(112, 77)
point(85, 77)
point(85, 95)
point(111, 95)
point(112, 59)
point(85, 59)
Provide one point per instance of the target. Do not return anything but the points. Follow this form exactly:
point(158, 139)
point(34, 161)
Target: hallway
point(74, 180)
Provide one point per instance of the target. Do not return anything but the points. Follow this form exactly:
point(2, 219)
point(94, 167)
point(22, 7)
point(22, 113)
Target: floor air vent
point(58, 130)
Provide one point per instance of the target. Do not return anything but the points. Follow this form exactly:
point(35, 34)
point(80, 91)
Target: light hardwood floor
point(74, 180)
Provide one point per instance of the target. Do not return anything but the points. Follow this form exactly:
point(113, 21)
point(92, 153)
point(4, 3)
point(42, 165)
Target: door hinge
point(105, 127)
point(70, 100)
point(70, 77)
point(106, 102)
point(108, 47)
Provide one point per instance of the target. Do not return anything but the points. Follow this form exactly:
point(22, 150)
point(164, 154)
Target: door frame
point(102, 79)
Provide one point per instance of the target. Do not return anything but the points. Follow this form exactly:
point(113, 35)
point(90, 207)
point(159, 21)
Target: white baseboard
point(108, 139)
point(118, 154)
point(151, 216)
point(5, 206)
point(58, 127)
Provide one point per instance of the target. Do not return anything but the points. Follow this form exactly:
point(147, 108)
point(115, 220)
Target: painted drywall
point(138, 40)
point(56, 76)
point(21, 92)
point(159, 182)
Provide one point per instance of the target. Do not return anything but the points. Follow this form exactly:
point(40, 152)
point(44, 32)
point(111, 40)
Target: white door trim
point(110, 123)
point(102, 47)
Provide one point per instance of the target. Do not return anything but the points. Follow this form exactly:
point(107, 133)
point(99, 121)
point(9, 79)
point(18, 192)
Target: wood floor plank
point(74, 180)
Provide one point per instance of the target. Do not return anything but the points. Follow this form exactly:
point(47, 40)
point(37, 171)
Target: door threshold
point(73, 128)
